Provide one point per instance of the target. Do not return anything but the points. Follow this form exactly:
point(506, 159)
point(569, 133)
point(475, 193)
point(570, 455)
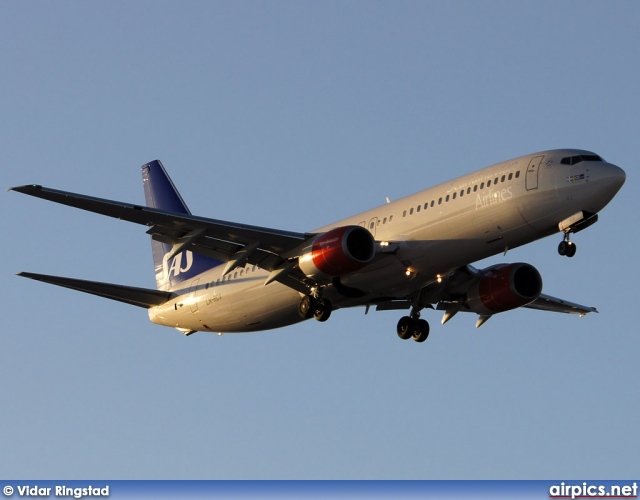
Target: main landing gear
point(408, 327)
point(315, 307)
point(413, 327)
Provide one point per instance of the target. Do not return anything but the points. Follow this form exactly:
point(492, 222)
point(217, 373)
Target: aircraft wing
point(226, 241)
point(460, 281)
point(450, 295)
point(141, 297)
point(548, 303)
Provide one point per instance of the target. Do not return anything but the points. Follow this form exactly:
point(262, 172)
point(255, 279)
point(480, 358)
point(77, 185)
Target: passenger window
point(384, 221)
point(411, 211)
point(454, 195)
point(372, 225)
point(475, 188)
point(404, 214)
point(517, 174)
point(495, 181)
point(503, 178)
point(447, 198)
point(419, 207)
point(511, 176)
point(462, 192)
point(426, 205)
point(440, 201)
point(469, 190)
point(390, 218)
point(489, 183)
point(432, 203)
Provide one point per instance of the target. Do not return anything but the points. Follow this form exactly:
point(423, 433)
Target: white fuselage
point(420, 237)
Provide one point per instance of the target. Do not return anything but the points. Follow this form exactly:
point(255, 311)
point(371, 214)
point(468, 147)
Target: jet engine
point(504, 287)
point(340, 251)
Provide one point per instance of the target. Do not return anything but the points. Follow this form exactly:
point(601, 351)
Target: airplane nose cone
point(605, 181)
point(616, 175)
point(610, 178)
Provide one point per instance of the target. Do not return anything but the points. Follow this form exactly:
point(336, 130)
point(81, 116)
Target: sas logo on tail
point(181, 263)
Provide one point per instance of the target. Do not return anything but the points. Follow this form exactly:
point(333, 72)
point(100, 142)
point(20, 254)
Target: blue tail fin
point(160, 193)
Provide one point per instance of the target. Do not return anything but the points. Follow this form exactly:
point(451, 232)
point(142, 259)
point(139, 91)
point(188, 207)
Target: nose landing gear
point(577, 222)
point(567, 247)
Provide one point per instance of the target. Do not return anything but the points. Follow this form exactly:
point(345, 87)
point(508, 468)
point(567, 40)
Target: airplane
point(411, 254)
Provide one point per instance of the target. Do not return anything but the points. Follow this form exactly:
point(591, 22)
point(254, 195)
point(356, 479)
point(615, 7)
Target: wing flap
point(220, 249)
point(141, 297)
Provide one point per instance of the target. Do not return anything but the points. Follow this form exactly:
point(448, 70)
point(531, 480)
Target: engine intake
point(504, 287)
point(341, 251)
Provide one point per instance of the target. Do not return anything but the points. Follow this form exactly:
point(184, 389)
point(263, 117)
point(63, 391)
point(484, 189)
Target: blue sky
point(293, 115)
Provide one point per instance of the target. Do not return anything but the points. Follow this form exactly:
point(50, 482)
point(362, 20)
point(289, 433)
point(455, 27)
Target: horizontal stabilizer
point(141, 297)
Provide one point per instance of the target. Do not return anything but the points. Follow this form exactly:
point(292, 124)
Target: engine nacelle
point(504, 287)
point(340, 251)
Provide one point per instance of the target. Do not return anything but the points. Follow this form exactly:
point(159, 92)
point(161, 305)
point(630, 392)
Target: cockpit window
point(574, 160)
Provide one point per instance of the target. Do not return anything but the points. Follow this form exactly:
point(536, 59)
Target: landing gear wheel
point(322, 310)
point(567, 248)
point(562, 248)
point(405, 330)
point(307, 307)
point(421, 331)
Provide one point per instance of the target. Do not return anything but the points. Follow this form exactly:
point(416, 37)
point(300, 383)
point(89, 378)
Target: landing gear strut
point(413, 327)
point(318, 308)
